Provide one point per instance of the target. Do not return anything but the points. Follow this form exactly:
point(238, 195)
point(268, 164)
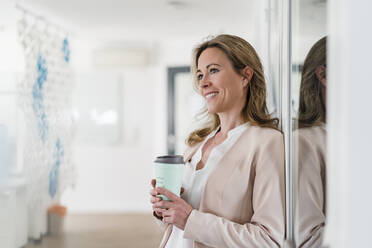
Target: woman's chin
point(212, 110)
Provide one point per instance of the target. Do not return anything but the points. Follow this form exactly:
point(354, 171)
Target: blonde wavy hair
point(312, 110)
point(241, 54)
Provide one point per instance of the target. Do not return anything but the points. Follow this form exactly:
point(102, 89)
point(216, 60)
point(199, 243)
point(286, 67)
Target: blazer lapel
point(190, 152)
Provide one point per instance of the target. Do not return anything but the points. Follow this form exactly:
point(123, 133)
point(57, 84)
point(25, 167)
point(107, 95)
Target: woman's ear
point(247, 73)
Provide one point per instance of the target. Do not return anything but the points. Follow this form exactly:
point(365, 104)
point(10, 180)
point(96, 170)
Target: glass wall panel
point(308, 112)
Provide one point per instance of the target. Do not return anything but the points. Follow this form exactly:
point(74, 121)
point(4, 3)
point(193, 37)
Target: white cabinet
point(13, 213)
point(7, 217)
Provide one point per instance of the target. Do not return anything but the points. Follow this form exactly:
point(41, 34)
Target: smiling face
point(223, 89)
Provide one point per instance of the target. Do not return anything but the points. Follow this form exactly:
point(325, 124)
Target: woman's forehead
point(212, 56)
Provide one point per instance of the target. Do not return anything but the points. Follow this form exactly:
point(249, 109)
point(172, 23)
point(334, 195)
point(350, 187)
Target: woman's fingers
point(160, 214)
point(167, 220)
point(169, 216)
point(167, 193)
point(153, 184)
point(153, 192)
point(159, 210)
point(155, 199)
point(163, 204)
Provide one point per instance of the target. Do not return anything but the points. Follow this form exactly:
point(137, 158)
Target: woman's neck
point(229, 122)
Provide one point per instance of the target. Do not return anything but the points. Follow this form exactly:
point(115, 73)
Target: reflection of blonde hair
point(241, 54)
point(312, 107)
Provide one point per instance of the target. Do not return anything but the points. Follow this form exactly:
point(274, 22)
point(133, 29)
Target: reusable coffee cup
point(168, 173)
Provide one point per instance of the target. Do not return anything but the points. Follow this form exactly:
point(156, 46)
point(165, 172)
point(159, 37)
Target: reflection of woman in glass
point(234, 175)
point(311, 138)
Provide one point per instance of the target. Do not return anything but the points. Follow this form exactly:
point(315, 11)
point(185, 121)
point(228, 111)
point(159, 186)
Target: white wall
point(350, 134)
point(113, 177)
point(116, 178)
point(11, 66)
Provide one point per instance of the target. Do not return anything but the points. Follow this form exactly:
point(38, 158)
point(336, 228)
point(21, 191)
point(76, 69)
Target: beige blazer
point(311, 204)
point(243, 202)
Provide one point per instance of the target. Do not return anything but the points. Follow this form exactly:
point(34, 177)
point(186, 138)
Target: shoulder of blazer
point(260, 135)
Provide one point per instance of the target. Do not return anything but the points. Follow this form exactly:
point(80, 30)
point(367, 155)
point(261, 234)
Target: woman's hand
point(175, 212)
point(154, 198)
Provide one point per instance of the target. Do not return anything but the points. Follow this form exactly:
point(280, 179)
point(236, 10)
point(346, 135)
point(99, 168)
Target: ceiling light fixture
point(177, 4)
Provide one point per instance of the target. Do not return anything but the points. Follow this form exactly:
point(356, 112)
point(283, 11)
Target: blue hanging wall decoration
point(37, 98)
point(54, 171)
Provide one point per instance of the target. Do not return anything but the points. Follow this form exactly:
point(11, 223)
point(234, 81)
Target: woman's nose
point(204, 83)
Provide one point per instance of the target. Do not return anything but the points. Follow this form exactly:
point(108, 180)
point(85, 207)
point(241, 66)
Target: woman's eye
point(213, 70)
point(199, 77)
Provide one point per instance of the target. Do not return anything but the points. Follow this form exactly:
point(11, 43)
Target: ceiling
point(113, 22)
point(148, 19)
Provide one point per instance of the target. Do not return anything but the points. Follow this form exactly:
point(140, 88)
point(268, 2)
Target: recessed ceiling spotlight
point(177, 4)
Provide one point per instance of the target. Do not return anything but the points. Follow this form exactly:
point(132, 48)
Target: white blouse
point(194, 180)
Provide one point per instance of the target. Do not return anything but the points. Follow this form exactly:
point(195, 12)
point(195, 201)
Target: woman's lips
point(210, 95)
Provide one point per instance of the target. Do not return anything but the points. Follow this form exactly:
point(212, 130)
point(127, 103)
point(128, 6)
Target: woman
point(310, 140)
point(234, 180)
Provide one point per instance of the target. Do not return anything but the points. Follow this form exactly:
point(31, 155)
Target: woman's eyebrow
point(208, 67)
point(212, 64)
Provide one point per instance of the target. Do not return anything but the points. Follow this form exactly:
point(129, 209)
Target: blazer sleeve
point(267, 225)
point(310, 217)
